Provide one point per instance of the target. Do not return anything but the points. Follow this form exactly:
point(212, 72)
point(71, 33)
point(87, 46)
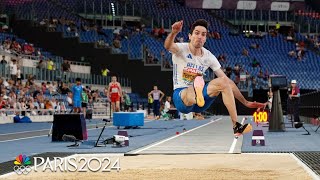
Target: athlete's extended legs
point(229, 91)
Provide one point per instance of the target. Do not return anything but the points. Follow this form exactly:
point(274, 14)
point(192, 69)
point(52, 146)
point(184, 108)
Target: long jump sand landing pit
point(194, 166)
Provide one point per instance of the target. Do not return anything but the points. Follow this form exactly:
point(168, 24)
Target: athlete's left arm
point(237, 94)
point(162, 95)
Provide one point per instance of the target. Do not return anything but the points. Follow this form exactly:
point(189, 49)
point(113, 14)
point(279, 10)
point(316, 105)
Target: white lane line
point(170, 138)
point(306, 168)
point(24, 132)
point(235, 140)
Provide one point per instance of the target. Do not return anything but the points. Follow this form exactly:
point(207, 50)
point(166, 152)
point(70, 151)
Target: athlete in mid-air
point(190, 61)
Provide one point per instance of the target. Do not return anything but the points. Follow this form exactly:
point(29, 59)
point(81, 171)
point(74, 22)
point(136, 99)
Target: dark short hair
point(199, 22)
point(78, 79)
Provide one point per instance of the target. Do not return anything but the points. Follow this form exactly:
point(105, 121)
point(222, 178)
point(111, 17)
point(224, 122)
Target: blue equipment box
point(128, 119)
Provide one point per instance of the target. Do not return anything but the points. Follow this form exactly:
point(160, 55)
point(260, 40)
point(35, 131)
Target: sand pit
point(203, 166)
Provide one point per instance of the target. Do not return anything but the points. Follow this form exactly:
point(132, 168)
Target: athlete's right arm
point(169, 42)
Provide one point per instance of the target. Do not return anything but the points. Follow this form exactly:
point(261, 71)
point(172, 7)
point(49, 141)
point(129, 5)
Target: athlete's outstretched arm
point(169, 42)
point(237, 94)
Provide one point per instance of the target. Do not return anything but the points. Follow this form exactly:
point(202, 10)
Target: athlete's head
point(169, 98)
point(198, 33)
point(155, 87)
point(78, 81)
point(114, 79)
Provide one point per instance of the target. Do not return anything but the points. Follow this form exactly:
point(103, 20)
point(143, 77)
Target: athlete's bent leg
point(219, 85)
point(238, 95)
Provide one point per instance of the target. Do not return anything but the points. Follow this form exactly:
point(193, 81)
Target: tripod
point(97, 144)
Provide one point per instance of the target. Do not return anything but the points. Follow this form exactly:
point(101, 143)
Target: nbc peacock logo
point(21, 164)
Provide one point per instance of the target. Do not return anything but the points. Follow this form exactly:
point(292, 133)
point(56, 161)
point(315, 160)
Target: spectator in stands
point(65, 66)
point(127, 102)
point(255, 62)
point(84, 101)
point(102, 44)
point(292, 53)
point(15, 46)
point(101, 32)
point(50, 65)
point(116, 46)
point(228, 71)
point(180, 39)
point(162, 33)
point(273, 32)
point(167, 64)
point(216, 35)
point(300, 54)
point(115, 94)
point(3, 60)
point(30, 81)
point(90, 107)
point(3, 63)
point(116, 32)
point(289, 38)
point(278, 27)
point(157, 96)
point(105, 71)
point(19, 75)
point(77, 91)
point(69, 101)
point(254, 46)
point(222, 58)
point(3, 103)
point(261, 75)
point(28, 49)
point(150, 57)
point(13, 70)
point(245, 52)
point(48, 105)
point(63, 89)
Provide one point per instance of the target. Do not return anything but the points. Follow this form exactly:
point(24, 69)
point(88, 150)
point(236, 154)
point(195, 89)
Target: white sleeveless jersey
point(186, 66)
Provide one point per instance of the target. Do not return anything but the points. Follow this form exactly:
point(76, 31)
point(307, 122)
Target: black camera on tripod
point(278, 81)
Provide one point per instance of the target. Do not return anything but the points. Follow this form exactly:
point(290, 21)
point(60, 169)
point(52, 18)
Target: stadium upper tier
point(272, 54)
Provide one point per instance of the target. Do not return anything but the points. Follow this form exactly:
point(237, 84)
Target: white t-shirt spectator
point(13, 69)
point(166, 106)
point(116, 31)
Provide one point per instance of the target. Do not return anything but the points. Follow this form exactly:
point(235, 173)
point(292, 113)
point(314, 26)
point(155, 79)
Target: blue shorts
point(77, 103)
point(181, 107)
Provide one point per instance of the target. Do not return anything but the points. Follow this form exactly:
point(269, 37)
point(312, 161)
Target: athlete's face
point(155, 87)
point(198, 36)
point(78, 83)
point(114, 79)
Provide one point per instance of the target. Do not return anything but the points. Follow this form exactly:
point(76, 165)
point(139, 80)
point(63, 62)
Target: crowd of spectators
point(39, 98)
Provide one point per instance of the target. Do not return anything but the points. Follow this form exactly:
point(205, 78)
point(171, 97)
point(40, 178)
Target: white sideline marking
point(235, 140)
point(24, 132)
point(170, 138)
